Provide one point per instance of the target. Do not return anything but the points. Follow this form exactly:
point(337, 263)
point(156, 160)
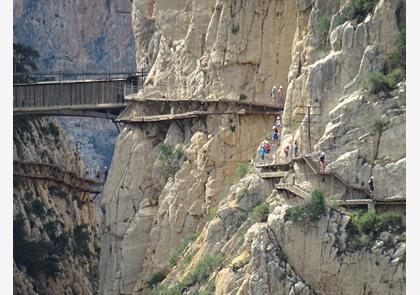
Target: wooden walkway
point(86, 98)
point(275, 174)
point(52, 172)
point(155, 110)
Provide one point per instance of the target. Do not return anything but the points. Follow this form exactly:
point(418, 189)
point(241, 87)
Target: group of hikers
point(266, 148)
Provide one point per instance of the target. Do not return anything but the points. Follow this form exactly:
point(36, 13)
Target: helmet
point(323, 154)
point(278, 117)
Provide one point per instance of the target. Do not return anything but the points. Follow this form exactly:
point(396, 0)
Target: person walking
point(262, 152)
point(295, 149)
point(267, 148)
point(273, 94)
point(280, 96)
point(322, 163)
point(370, 183)
point(105, 173)
point(278, 122)
point(275, 136)
point(286, 151)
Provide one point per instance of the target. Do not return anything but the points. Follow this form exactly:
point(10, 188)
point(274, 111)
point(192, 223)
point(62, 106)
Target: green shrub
point(242, 96)
point(398, 58)
point(311, 211)
point(171, 158)
point(38, 208)
point(21, 125)
point(364, 227)
point(157, 278)
point(18, 181)
point(316, 206)
point(260, 213)
point(358, 9)
point(210, 288)
point(61, 242)
point(377, 82)
point(323, 29)
point(166, 150)
point(242, 170)
point(202, 270)
point(199, 274)
point(37, 256)
point(188, 258)
point(51, 228)
point(210, 214)
point(176, 253)
point(81, 240)
point(57, 191)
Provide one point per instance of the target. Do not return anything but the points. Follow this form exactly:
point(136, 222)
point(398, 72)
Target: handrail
point(54, 166)
point(314, 167)
point(60, 76)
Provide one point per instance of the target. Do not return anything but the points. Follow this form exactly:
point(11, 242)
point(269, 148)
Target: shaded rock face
point(76, 36)
point(52, 220)
point(148, 211)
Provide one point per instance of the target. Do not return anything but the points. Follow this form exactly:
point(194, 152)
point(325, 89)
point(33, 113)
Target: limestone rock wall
point(199, 45)
point(239, 50)
point(76, 36)
point(362, 134)
point(284, 257)
point(148, 212)
point(48, 218)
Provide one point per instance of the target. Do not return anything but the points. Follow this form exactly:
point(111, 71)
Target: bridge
point(76, 94)
point(54, 173)
point(115, 96)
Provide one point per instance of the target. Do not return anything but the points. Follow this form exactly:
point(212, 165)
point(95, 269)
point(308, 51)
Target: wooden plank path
point(78, 97)
point(154, 110)
point(52, 172)
point(276, 174)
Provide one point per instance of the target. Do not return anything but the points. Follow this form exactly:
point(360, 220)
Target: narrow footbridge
point(76, 94)
point(116, 96)
point(51, 172)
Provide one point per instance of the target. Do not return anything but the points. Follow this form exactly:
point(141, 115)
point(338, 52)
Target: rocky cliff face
point(167, 179)
point(56, 238)
point(76, 36)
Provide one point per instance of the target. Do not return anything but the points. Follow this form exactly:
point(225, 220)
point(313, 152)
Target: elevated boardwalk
point(155, 110)
point(83, 97)
point(52, 172)
point(276, 174)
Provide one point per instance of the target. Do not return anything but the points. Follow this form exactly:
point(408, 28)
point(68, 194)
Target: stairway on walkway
point(294, 189)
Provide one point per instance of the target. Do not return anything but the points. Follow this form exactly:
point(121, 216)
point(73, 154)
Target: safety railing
point(29, 78)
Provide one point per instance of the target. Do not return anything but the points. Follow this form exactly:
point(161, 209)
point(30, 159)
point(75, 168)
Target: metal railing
point(29, 78)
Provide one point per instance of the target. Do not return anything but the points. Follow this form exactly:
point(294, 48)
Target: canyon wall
point(55, 228)
point(169, 181)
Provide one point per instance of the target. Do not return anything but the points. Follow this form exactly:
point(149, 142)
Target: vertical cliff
point(55, 227)
point(179, 220)
point(76, 36)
